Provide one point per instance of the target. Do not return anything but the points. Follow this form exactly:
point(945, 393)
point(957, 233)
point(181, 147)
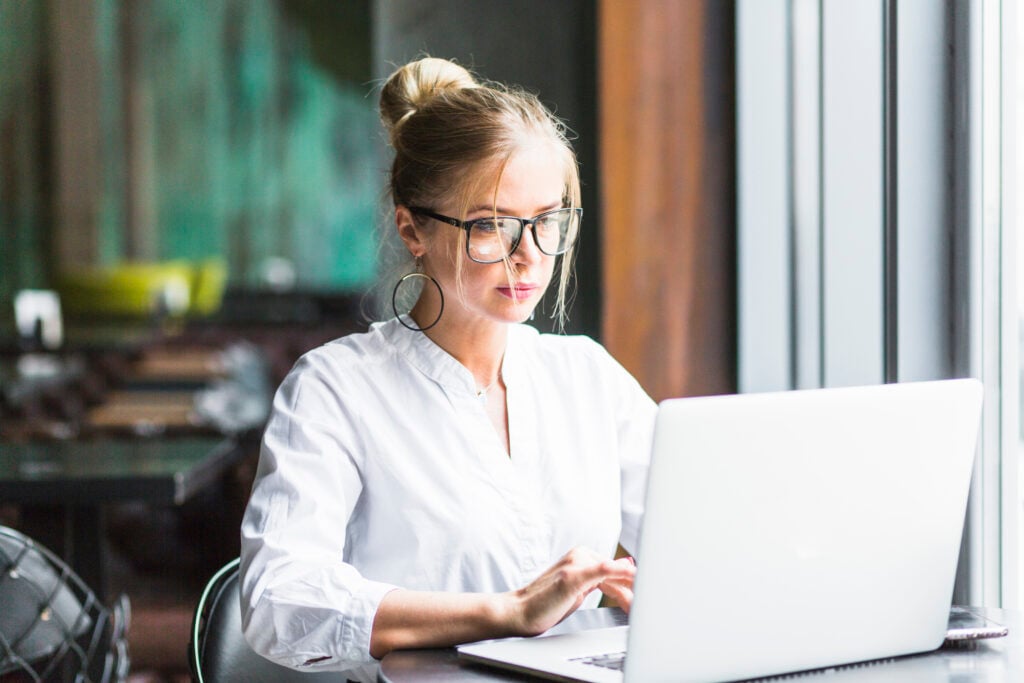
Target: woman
point(450, 475)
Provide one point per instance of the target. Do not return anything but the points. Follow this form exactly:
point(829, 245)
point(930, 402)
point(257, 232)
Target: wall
point(254, 148)
point(668, 156)
point(24, 153)
point(159, 130)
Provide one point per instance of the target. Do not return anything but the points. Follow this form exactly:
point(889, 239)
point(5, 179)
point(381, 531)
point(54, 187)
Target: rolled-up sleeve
point(302, 605)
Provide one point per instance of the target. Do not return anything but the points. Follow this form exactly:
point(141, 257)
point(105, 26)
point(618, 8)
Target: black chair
point(52, 626)
point(218, 652)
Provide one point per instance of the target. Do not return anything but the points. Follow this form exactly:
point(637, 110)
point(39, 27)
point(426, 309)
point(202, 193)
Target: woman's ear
point(409, 232)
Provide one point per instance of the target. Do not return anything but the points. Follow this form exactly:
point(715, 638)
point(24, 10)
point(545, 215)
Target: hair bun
point(413, 85)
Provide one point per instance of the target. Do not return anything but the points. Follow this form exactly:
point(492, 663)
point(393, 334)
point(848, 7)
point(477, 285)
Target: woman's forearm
point(408, 619)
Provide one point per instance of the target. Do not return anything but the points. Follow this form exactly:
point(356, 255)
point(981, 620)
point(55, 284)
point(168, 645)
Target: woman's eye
point(484, 227)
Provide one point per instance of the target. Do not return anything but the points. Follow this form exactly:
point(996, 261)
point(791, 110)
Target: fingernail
point(631, 560)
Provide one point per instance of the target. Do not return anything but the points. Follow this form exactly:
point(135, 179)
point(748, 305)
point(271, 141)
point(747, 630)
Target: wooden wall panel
point(668, 178)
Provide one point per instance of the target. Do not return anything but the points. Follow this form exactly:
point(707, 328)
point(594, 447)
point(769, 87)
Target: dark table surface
point(71, 482)
point(990, 661)
point(165, 470)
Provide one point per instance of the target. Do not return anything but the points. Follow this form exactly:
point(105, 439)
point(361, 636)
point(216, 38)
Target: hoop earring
point(394, 297)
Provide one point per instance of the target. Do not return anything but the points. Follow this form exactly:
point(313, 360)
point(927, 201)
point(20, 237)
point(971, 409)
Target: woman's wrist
point(506, 614)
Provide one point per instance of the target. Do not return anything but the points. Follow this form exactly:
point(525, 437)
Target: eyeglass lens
point(492, 239)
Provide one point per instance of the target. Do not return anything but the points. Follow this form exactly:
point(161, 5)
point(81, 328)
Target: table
point(993, 660)
point(77, 477)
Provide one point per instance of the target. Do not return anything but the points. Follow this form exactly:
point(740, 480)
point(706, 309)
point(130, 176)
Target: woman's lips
point(518, 292)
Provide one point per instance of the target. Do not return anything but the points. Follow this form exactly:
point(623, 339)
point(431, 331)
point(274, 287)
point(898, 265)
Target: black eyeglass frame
point(523, 222)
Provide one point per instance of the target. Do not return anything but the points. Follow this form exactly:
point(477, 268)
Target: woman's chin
point(525, 314)
point(515, 314)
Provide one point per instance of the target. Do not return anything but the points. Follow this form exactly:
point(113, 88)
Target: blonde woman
point(451, 474)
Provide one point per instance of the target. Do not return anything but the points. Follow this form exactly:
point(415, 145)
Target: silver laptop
point(778, 527)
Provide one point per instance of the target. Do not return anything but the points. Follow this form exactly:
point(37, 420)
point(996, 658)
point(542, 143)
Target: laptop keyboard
point(613, 660)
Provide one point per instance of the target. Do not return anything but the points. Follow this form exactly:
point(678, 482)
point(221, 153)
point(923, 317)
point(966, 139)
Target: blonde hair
point(447, 127)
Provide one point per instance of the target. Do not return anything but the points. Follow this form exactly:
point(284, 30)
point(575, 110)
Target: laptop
point(784, 532)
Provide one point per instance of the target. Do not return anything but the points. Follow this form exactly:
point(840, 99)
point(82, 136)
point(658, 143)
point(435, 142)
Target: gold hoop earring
point(418, 273)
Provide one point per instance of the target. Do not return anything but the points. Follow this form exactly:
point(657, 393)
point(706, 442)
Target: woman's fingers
point(562, 588)
point(605, 570)
point(619, 592)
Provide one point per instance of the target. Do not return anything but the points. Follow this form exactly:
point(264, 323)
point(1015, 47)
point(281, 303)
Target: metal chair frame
point(53, 627)
point(218, 651)
point(207, 605)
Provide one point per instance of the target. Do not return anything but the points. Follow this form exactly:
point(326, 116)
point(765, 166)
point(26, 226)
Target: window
point(874, 233)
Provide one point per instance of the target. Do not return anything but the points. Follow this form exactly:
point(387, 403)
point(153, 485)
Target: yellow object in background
point(175, 288)
point(209, 278)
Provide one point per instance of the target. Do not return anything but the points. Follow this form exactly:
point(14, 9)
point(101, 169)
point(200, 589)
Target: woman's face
point(532, 183)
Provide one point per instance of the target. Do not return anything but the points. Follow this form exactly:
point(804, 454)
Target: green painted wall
point(24, 204)
point(252, 136)
point(255, 138)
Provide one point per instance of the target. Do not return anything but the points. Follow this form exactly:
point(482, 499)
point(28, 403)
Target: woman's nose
point(527, 249)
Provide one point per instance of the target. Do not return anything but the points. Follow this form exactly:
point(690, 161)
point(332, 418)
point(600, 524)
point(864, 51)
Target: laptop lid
point(785, 532)
point(803, 529)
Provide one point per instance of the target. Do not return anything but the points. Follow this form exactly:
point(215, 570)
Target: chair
point(52, 626)
point(218, 652)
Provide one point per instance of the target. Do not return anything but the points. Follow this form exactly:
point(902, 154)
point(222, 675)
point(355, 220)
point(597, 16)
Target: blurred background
point(154, 131)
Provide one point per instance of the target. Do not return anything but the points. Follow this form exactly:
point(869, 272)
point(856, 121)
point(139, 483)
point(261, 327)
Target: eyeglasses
point(491, 239)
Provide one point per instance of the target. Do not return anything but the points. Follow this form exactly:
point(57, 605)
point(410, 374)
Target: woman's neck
point(479, 347)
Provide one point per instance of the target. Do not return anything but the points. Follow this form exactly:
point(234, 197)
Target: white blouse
point(380, 468)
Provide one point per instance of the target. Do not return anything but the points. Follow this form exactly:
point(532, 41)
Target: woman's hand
point(556, 593)
point(408, 619)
